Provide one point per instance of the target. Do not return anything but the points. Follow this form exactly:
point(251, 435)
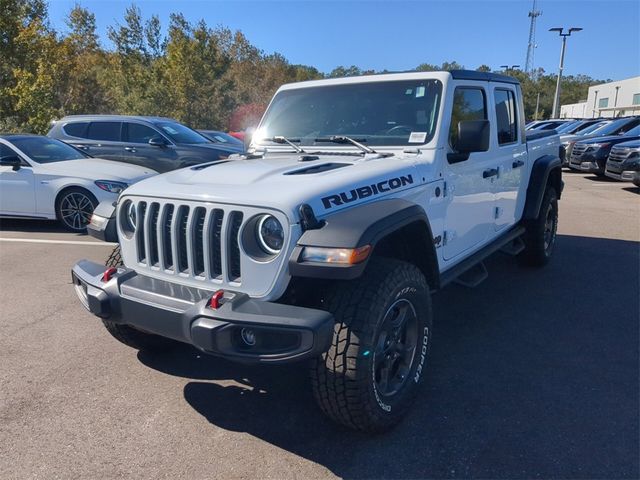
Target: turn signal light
point(345, 256)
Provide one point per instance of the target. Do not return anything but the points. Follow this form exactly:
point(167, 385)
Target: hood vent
point(325, 167)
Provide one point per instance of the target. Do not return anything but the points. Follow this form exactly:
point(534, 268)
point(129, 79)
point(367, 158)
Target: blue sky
point(399, 35)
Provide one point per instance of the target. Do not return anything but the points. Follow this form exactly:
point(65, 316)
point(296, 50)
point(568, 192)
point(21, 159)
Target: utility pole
point(556, 100)
point(531, 46)
point(535, 115)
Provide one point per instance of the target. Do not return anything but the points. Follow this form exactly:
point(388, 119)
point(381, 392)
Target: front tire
point(370, 375)
point(540, 236)
point(74, 207)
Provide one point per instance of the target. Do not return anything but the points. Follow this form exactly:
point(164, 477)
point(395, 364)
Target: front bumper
point(624, 176)
point(280, 333)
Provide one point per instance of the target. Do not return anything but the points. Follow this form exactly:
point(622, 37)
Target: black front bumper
point(280, 333)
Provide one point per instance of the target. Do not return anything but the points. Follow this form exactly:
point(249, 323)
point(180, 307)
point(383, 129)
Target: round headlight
point(270, 234)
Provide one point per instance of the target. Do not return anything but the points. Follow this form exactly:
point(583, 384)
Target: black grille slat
point(215, 242)
point(181, 225)
point(233, 248)
point(141, 211)
point(166, 234)
point(154, 213)
point(198, 241)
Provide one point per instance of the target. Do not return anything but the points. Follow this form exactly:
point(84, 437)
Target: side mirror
point(473, 136)
point(12, 161)
point(157, 141)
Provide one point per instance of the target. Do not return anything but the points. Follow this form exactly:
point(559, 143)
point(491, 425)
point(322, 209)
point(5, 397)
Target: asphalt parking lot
point(535, 373)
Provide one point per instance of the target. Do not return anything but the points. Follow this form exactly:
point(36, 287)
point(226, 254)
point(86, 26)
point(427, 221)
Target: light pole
point(556, 99)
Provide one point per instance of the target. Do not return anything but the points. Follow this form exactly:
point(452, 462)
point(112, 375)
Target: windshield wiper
point(343, 139)
point(282, 140)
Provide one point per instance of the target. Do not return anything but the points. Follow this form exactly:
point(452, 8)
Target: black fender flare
point(356, 227)
point(546, 168)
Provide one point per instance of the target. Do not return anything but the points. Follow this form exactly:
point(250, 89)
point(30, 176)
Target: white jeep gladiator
point(357, 200)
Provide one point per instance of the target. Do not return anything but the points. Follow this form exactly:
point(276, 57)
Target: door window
point(138, 133)
point(76, 129)
point(468, 104)
point(5, 151)
point(506, 116)
point(109, 131)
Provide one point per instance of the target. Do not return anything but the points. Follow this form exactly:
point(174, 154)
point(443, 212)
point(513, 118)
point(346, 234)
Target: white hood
point(98, 169)
point(283, 182)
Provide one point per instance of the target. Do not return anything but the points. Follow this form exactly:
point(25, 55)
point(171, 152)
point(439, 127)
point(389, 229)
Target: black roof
point(482, 76)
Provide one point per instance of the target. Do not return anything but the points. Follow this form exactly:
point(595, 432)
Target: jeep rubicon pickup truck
point(356, 201)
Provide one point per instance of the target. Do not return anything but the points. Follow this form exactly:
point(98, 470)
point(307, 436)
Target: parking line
point(60, 242)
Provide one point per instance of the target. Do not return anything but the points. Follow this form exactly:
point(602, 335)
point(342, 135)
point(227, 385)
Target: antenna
point(528, 65)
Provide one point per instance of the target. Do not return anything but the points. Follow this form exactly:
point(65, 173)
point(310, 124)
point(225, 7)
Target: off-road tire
point(115, 258)
point(539, 241)
point(344, 378)
point(128, 335)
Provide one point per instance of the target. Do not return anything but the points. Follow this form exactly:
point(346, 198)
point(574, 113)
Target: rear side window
point(468, 104)
point(6, 151)
point(506, 116)
point(76, 129)
point(138, 133)
point(109, 131)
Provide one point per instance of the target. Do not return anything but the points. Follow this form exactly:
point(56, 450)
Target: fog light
point(248, 336)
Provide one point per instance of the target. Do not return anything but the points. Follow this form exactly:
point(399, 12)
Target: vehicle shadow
point(534, 373)
point(601, 178)
point(34, 226)
point(632, 189)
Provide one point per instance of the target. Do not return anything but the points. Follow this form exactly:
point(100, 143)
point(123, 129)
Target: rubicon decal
point(366, 191)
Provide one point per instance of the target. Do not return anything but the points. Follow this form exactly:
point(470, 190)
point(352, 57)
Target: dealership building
point(614, 99)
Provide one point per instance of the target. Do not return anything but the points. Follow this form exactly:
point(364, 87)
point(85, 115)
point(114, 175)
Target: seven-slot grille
point(196, 241)
point(576, 153)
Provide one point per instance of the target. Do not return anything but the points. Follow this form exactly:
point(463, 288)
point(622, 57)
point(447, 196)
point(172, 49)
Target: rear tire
point(369, 377)
point(540, 236)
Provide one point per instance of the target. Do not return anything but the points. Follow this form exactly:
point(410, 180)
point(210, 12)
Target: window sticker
point(409, 91)
point(420, 92)
point(417, 137)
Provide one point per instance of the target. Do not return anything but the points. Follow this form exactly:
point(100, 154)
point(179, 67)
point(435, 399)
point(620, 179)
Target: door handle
point(517, 164)
point(130, 149)
point(491, 172)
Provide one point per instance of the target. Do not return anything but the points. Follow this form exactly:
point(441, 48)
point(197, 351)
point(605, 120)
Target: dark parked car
point(161, 144)
point(591, 155)
point(547, 124)
point(571, 128)
point(624, 161)
point(223, 138)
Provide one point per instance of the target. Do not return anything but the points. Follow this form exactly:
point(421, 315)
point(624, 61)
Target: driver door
point(17, 187)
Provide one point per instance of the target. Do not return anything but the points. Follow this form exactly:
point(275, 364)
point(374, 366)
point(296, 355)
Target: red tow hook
point(109, 273)
point(215, 299)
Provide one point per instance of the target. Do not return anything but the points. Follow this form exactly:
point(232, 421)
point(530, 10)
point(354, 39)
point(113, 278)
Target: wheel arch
point(394, 228)
point(546, 170)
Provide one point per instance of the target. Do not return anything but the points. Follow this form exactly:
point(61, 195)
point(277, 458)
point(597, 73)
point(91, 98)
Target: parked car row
point(87, 159)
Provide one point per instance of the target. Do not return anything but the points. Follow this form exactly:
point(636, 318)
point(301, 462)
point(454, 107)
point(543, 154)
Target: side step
point(514, 247)
point(470, 262)
point(474, 276)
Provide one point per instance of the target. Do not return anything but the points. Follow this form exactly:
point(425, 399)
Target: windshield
point(376, 113)
point(220, 137)
point(593, 128)
point(566, 127)
point(47, 150)
point(178, 133)
point(634, 132)
point(612, 127)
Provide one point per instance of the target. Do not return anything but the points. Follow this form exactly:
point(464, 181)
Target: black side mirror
point(157, 141)
point(12, 161)
point(473, 136)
